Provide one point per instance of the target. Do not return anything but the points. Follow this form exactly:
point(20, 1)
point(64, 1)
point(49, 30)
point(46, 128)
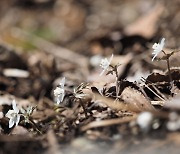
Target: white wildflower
point(158, 47)
point(144, 120)
point(59, 92)
point(13, 115)
point(105, 64)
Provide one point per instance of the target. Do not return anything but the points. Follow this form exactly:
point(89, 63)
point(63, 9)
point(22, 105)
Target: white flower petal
point(57, 101)
point(102, 72)
point(22, 110)
point(11, 123)
point(62, 82)
point(61, 97)
point(111, 59)
point(155, 45)
point(162, 42)
point(154, 57)
point(9, 114)
point(158, 47)
point(59, 92)
point(17, 119)
point(15, 106)
point(104, 64)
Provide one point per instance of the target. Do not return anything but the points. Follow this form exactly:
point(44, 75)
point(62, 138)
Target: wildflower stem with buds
point(158, 47)
point(79, 95)
point(105, 64)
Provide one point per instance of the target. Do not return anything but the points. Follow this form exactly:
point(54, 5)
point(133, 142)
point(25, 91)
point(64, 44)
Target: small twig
point(157, 90)
point(152, 91)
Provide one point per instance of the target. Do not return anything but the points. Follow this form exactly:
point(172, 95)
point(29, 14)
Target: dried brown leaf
point(136, 100)
point(132, 100)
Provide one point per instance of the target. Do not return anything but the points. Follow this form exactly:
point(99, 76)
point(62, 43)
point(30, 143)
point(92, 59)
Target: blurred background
point(89, 26)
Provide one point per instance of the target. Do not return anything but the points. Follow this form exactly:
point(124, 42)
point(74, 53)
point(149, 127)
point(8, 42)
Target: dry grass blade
point(108, 122)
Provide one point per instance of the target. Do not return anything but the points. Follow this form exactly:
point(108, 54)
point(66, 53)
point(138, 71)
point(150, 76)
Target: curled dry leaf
point(115, 105)
point(136, 100)
point(163, 76)
point(132, 100)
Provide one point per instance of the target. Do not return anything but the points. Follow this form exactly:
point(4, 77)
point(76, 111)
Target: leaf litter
point(135, 98)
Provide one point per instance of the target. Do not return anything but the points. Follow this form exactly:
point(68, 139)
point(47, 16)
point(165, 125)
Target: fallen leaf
point(136, 100)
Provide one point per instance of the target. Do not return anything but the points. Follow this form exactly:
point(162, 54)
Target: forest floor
point(56, 98)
